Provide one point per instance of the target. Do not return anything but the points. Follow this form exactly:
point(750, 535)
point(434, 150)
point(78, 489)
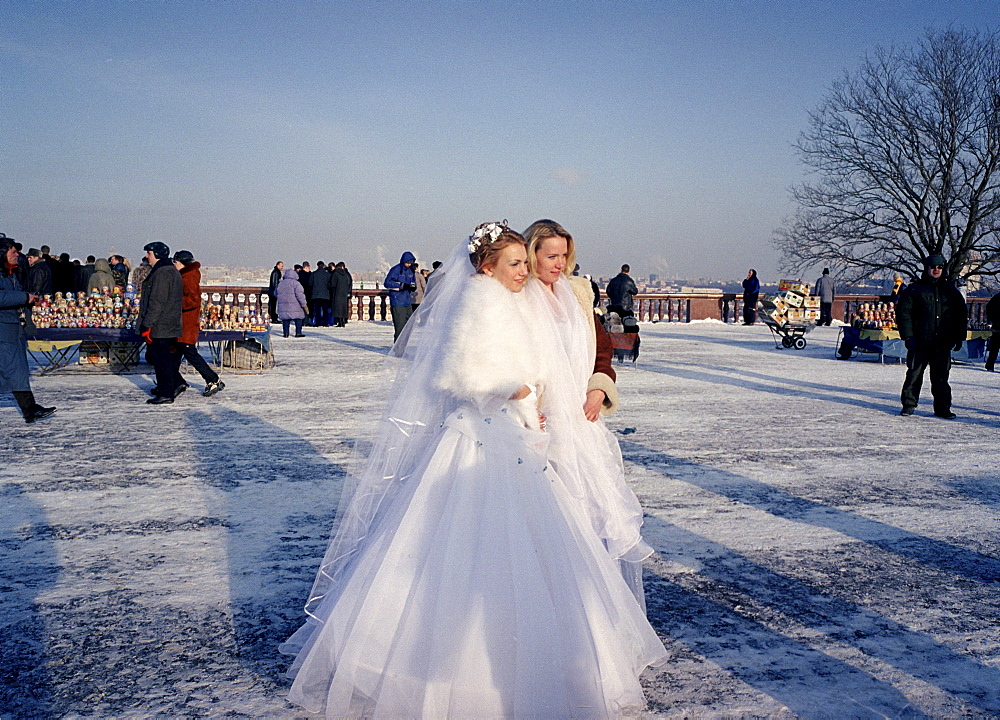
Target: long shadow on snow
point(892, 642)
point(29, 566)
point(784, 388)
point(936, 553)
point(269, 480)
point(804, 678)
point(810, 682)
point(379, 350)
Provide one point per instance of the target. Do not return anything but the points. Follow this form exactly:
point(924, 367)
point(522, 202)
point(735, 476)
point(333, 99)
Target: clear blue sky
point(658, 133)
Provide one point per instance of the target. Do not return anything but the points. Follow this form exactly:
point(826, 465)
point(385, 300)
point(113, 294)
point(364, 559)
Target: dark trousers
point(750, 310)
point(939, 360)
point(825, 313)
point(321, 310)
point(285, 324)
point(272, 306)
point(195, 360)
point(400, 314)
point(165, 358)
point(993, 350)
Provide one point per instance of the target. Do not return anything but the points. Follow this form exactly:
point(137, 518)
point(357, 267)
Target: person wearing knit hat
point(932, 320)
point(187, 343)
point(159, 321)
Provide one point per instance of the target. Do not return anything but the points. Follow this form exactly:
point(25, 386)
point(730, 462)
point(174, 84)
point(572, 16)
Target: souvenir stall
point(873, 331)
point(97, 329)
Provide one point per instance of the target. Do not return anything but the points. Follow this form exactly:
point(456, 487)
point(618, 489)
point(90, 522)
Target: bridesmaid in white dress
point(463, 580)
point(581, 449)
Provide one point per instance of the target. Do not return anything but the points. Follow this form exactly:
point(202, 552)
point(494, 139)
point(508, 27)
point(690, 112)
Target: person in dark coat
point(320, 296)
point(621, 290)
point(292, 305)
point(305, 280)
point(39, 279)
point(120, 270)
point(272, 288)
point(993, 315)
point(83, 274)
point(63, 274)
point(932, 320)
point(14, 303)
point(159, 321)
point(342, 286)
point(751, 294)
point(187, 343)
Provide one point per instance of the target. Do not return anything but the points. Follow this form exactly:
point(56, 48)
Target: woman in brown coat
point(187, 343)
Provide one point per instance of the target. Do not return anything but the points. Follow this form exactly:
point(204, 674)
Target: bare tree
point(905, 156)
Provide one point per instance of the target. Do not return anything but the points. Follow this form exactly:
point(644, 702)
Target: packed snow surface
point(817, 556)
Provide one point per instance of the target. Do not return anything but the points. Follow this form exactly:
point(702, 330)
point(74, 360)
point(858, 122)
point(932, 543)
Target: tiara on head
point(485, 234)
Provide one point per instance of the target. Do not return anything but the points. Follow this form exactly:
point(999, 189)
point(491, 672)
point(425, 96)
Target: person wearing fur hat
point(187, 343)
point(932, 320)
point(159, 321)
point(14, 303)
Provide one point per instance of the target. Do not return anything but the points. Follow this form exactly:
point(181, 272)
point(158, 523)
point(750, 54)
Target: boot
point(31, 410)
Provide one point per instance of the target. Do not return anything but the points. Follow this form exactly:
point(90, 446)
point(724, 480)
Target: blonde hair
point(539, 231)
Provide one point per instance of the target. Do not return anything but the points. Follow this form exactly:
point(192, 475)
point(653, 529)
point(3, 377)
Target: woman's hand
point(595, 401)
point(522, 392)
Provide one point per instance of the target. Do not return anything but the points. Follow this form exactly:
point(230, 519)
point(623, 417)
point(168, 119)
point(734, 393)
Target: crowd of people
point(169, 317)
point(325, 295)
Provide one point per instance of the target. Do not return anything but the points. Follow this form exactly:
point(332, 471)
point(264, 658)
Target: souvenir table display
point(107, 308)
point(100, 325)
point(873, 329)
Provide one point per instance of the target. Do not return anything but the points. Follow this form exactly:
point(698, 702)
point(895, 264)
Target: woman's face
point(11, 256)
point(550, 259)
point(511, 268)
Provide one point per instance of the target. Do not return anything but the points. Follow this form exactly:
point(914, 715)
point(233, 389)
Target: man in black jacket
point(932, 321)
point(272, 290)
point(621, 290)
point(159, 321)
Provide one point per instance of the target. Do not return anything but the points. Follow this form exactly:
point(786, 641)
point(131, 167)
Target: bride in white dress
point(463, 580)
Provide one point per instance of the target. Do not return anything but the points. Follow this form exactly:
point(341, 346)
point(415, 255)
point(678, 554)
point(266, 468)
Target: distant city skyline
point(659, 134)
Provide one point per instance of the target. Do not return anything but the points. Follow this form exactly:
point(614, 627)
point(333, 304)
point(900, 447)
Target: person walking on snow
point(187, 343)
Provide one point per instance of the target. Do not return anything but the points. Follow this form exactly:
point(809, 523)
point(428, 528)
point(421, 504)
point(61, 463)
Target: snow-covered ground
point(818, 556)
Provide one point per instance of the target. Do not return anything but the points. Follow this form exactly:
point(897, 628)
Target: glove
point(146, 334)
point(911, 343)
point(407, 287)
point(958, 345)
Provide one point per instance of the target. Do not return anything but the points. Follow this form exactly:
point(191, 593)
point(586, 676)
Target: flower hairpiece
point(485, 234)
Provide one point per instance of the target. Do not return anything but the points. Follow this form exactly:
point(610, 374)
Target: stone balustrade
point(371, 305)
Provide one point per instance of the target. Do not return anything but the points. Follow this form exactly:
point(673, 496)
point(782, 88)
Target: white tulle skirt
point(482, 591)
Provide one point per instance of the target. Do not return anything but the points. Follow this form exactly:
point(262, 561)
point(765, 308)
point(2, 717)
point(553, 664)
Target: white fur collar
point(489, 349)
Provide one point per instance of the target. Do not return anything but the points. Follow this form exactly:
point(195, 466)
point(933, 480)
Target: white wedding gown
point(478, 587)
point(585, 454)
